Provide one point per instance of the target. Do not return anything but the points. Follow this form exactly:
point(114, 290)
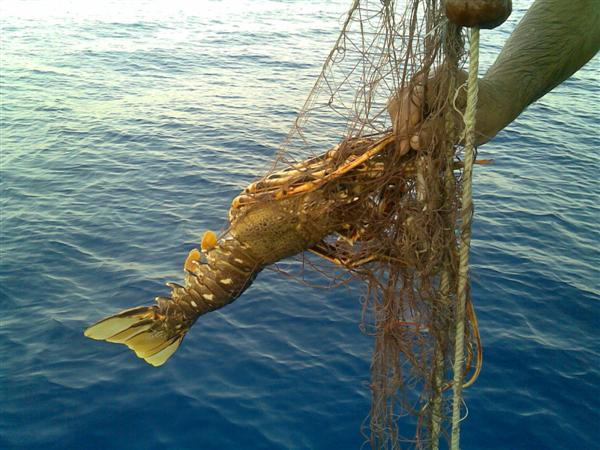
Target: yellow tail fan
point(139, 329)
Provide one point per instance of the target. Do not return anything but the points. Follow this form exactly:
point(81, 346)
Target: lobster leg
point(313, 173)
point(331, 254)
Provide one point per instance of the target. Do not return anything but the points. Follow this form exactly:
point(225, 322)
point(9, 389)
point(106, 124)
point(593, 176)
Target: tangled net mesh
point(404, 243)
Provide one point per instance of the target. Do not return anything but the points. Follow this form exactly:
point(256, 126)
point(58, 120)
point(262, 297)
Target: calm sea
point(127, 128)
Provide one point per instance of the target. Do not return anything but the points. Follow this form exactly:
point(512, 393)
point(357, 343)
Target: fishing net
point(395, 70)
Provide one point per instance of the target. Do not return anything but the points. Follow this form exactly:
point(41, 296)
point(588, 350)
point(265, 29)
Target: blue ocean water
point(126, 130)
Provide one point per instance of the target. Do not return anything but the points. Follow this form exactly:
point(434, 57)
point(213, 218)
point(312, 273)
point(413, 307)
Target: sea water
point(126, 130)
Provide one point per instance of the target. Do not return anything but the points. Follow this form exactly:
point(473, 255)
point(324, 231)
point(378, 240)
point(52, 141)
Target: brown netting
point(402, 243)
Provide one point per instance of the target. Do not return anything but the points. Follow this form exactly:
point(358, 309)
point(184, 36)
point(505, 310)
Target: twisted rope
point(444, 290)
point(465, 237)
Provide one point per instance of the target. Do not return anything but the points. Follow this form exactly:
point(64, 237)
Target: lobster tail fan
point(141, 329)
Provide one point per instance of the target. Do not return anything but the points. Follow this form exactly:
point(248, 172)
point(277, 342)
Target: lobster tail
point(215, 276)
point(142, 330)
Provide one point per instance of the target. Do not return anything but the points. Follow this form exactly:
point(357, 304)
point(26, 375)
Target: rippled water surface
point(127, 128)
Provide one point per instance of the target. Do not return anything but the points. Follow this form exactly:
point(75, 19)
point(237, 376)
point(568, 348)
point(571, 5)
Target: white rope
point(465, 237)
point(444, 290)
